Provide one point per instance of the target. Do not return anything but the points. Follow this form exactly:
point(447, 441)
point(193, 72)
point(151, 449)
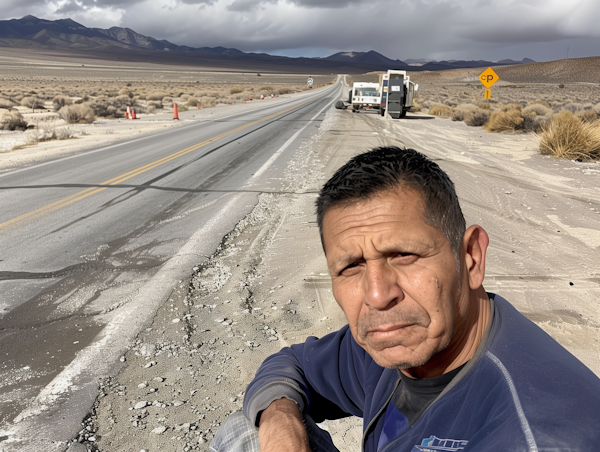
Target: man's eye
point(352, 265)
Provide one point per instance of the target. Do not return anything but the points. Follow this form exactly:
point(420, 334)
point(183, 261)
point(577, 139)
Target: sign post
point(488, 78)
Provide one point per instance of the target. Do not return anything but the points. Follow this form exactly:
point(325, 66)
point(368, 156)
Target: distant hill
point(69, 37)
point(421, 64)
point(68, 34)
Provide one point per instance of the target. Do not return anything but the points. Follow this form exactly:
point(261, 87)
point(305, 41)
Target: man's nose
point(381, 285)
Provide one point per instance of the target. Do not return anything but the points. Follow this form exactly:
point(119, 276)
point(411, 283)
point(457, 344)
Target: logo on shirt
point(435, 444)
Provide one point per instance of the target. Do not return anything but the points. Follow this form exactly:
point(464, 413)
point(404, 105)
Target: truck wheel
point(339, 105)
point(403, 114)
point(382, 111)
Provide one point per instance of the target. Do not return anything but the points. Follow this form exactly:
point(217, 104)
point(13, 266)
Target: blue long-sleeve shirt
point(522, 391)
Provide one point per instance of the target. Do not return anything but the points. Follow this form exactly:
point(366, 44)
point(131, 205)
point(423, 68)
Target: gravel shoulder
point(267, 285)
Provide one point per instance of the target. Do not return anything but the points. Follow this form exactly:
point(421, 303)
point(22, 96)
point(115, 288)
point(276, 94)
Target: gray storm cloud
point(440, 29)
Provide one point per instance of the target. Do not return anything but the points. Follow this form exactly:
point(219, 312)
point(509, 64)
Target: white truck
point(396, 93)
point(365, 95)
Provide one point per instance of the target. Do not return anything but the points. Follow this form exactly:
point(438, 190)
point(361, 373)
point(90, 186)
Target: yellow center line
point(30, 216)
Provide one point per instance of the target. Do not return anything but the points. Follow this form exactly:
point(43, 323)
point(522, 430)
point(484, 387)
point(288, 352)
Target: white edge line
point(285, 145)
point(531, 444)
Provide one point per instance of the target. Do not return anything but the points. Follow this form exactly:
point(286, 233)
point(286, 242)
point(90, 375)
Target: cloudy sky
point(437, 29)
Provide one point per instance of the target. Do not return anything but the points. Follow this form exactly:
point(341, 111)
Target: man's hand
point(281, 428)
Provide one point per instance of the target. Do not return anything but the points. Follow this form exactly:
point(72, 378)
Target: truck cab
point(365, 95)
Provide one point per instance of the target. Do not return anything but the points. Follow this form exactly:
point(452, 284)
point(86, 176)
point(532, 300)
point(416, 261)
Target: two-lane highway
point(91, 245)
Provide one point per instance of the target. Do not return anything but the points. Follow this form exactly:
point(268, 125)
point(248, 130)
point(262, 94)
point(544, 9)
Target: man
point(429, 359)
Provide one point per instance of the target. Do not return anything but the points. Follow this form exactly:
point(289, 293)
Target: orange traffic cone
point(175, 114)
point(133, 115)
point(243, 101)
point(198, 105)
point(128, 112)
point(250, 98)
point(262, 97)
point(272, 96)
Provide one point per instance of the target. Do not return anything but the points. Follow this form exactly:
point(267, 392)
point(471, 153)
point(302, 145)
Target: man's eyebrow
point(345, 259)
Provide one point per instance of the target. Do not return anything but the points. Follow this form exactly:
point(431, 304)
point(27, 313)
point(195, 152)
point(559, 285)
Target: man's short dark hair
point(388, 168)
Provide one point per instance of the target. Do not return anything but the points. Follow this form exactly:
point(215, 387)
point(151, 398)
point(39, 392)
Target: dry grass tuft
point(284, 90)
point(12, 120)
point(6, 103)
point(505, 121)
point(77, 114)
point(569, 137)
point(587, 115)
point(60, 101)
point(477, 118)
point(443, 111)
point(32, 102)
point(416, 107)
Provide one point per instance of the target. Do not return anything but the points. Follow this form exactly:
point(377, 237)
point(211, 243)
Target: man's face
point(395, 278)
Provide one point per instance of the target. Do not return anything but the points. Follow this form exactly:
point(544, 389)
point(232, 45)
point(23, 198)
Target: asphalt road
point(93, 244)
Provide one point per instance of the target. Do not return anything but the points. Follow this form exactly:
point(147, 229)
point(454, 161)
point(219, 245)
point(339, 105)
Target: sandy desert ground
point(251, 298)
point(190, 368)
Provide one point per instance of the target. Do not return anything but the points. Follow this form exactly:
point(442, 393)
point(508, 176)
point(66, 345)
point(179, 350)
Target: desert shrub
point(505, 121)
point(284, 90)
point(155, 105)
point(12, 120)
point(167, 100)
point(101, 107)
point(416, 107)
point(461, 110)
point(450, 103)
point(155, 96)
point(477, 118)
point(509, 107)
point(587, 115)
point(596, 108)
point(77, 114)
point(32, 102)
point(484, 105)
point(182, 108)
point(572, 107)
point(562, 85)
point(541, 102)
point(267, 88)
point(122, 102)
point(207, 102)
point(538, 110)
point(126, 92)
point(569, 137)
point(140, 97)
point(192, 102)
point(60, 101)
point(6, 103)
point(443, 111)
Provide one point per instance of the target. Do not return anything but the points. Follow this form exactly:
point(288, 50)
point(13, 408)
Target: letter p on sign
point(488, 77)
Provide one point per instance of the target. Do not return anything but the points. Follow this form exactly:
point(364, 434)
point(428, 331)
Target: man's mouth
point(388, 332)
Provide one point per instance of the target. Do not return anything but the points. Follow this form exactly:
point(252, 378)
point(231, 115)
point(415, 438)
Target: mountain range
point(66, 35)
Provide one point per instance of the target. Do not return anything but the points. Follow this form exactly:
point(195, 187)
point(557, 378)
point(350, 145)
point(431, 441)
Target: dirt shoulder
point(267, 286)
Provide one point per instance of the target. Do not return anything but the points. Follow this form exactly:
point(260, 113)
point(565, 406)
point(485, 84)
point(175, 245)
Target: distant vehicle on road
point(365, 95)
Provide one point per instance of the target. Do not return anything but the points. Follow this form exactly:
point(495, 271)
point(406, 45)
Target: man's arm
point(324, 377)
point(281, 428)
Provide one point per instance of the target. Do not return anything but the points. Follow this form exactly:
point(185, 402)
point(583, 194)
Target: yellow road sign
point(488, 77)
point(488, 94)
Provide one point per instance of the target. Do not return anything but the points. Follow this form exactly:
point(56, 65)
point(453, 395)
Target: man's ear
point(475, 242)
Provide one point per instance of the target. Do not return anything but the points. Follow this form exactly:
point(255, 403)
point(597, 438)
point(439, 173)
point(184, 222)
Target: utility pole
point(567, 52)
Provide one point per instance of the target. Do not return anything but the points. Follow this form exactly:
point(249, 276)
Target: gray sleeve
point(275, 390)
